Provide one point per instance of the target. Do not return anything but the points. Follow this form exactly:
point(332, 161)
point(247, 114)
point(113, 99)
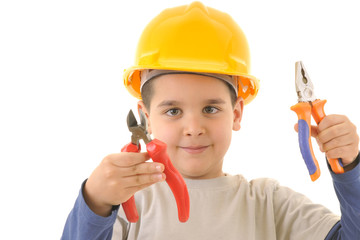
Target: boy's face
point(194, 116)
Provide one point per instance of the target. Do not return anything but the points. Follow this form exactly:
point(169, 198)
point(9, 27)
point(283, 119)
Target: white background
point(63, 105)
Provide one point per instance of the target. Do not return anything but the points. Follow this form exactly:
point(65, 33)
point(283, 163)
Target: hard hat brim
point(248, 85)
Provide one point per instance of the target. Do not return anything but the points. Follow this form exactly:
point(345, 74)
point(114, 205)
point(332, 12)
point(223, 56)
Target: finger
point(296, 127)
point(332, 120)
point(127, 159)
point(314, 131)
point(337, 142)
point(333, 132)
point(142, 168)
point(346, 153)
point(141, 182)
point(137, 181)
point(135, 189)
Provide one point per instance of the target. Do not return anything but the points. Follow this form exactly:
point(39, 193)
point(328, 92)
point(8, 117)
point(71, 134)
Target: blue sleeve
point(347, 188)
point(83, 224)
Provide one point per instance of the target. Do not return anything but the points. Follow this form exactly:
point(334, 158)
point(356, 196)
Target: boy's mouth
point(194, 149)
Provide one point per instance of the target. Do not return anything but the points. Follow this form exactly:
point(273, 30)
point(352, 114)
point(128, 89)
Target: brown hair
point(147, 92)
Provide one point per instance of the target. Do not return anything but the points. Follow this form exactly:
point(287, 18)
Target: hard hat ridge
point(194, 38)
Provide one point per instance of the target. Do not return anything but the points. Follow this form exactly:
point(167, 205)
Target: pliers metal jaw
point(306, 107)
point(157, 152)
point(138, 131)
point(303, 84)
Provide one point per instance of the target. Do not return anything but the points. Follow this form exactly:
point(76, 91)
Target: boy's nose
point(193, 127)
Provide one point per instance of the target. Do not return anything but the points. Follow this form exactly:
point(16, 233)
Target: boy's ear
point(238, 111)
point(141, 106)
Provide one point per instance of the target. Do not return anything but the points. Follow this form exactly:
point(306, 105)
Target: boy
point(192, 72)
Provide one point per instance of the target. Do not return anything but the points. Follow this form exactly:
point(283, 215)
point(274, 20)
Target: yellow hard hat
point(194, 38)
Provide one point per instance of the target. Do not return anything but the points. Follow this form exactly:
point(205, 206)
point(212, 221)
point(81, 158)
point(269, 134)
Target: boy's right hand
point(117, 178)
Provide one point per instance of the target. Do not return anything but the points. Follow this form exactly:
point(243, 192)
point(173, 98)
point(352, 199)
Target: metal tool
point(306, 107)
point(157, 152)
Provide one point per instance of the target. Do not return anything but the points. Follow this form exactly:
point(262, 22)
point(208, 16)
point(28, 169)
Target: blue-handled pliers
point(306, 107)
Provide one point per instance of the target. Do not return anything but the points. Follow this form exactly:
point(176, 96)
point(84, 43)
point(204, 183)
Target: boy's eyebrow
point(215, 101)
point(169, 103)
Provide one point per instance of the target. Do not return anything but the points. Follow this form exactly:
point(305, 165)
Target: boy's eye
point(173, 112)
point(210, 109)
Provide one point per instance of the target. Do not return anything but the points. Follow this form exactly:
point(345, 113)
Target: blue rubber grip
point(305, 146)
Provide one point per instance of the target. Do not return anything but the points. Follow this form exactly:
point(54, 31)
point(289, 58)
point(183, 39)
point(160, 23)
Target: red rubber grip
point(129, 206)
point(157, 151)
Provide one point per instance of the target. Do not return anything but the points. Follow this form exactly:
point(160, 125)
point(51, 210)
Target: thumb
point(314, 130)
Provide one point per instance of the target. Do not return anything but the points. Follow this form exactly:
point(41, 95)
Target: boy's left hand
point(337, 138)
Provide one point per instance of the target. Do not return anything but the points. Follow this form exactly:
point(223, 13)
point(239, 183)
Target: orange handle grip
point(303, 111)
point(318, 114)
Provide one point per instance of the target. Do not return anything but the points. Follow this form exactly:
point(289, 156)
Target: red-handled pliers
point(308, 105)
point(157, 152)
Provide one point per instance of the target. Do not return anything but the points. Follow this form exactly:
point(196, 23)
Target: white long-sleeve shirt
point(228, 207)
